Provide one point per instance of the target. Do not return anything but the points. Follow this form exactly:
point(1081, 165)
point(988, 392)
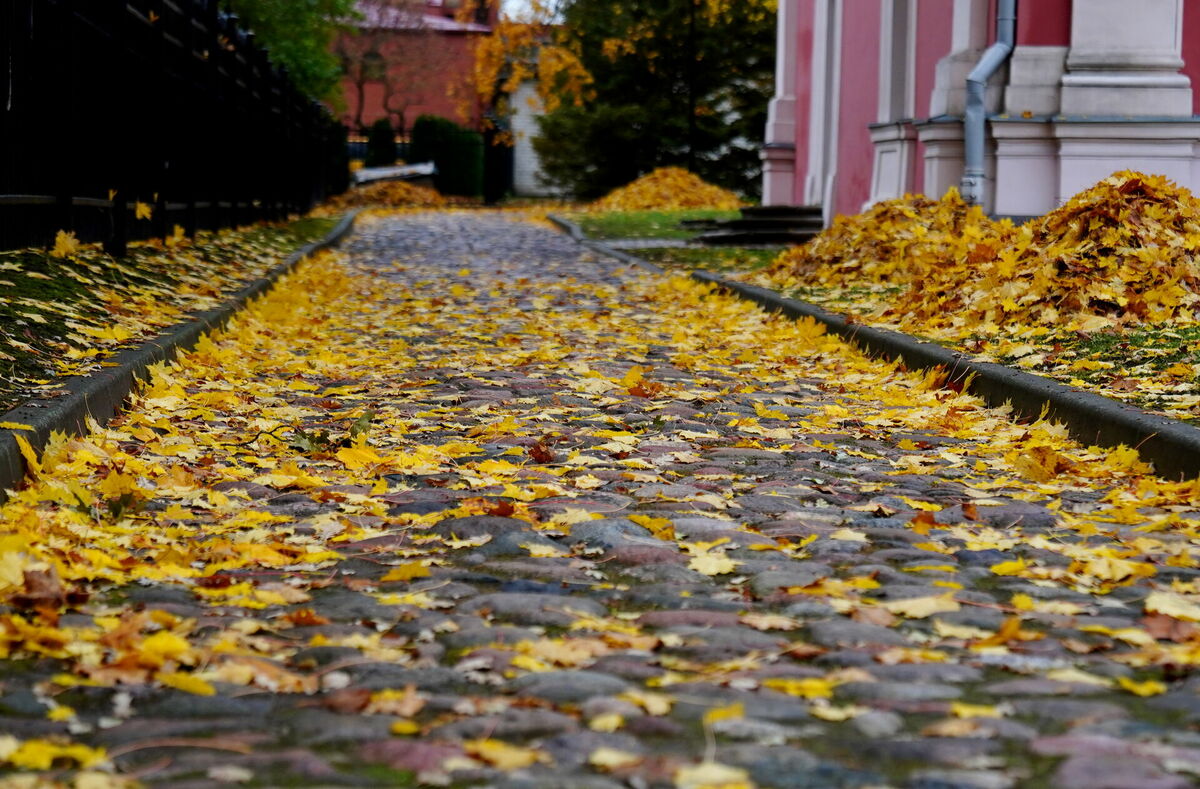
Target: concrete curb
point(101, 394)
point(575, 232)
point(1172, 446)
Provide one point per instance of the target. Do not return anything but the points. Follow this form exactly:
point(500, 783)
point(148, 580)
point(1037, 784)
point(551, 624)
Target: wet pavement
point(596, 528)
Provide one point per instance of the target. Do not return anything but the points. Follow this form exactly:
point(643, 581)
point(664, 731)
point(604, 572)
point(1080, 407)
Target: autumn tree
point(673, 82)
point(529, 47)
point(299, 35)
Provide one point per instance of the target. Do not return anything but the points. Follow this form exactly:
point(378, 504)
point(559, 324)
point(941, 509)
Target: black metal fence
point(167, 103)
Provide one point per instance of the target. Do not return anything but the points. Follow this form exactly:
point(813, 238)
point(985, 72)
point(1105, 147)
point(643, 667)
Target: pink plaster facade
point(934, 21)
point(875, 94)
point(860, 76)
point(804, 52)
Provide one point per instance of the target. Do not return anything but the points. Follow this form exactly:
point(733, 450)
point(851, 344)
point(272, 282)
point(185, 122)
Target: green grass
point(44, 300)
point(1156, 368)
point(643, 224)
point(723, 260)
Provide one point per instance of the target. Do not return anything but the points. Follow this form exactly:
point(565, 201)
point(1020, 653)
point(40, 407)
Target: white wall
point(527, 170)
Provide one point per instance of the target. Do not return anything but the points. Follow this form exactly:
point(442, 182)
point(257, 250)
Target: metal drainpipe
point(975, 127)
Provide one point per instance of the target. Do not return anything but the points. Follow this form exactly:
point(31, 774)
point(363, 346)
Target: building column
point(1124, 103)
point(779, 152)
point(1037, 64)
point(942, 134)
point(826, 104)
point(968, 41)
point(1125, 60)
point(893, 137)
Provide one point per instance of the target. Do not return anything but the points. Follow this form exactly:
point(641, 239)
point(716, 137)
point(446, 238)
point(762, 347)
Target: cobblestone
point(564, 636)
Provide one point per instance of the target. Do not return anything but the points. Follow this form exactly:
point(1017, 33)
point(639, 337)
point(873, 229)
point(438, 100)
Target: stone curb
point(101, 394)
point(1172, 446)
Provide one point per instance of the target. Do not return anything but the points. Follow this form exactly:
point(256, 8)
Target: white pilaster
point(1035, 81)
point(826, 103)
point(779, 153)
point(1089, 152)
point(893, 138)
point(1125, 60)
point(1026, 167)
point(968, 41)
point(895, 160)
point(897, 59)
point(943, 141)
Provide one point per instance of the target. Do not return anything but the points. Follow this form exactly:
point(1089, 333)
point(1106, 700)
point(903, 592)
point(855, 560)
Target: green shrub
point(381, 144)
point(457, 153)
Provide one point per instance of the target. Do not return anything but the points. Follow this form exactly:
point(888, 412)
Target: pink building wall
point(859, 92)
point(1044, 23)
point(804, 52)
point(1191, 50)
point(935, 19)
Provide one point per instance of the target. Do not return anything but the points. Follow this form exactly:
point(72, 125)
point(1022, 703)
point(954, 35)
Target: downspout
point(975, 126)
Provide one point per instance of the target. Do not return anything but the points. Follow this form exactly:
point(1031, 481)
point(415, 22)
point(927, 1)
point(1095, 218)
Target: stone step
point(755, 237)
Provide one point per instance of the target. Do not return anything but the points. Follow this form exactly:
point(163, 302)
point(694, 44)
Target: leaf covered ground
point(668, 189)
point(64, 311)
point(467, 506)
point(1102, 293)
point(649, 224)
point(387, 194)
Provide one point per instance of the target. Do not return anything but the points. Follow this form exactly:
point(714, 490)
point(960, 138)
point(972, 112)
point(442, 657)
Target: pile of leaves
point(897, 242)
point(667, 188)
point(1101, 293)
point(387, 194)
point(1120, 253)
point(64, 310)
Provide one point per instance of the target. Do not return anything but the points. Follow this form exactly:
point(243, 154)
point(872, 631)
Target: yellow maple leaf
point(32, 463)
point(769, 621)
point(605, 758)
point(405, 727)
point(712, 775)
point(659, 527)
point(828, 712)
point(65, 244)
point(1171, 604)
point(964, 632)
point(188, 683)
point(767, 413)
point(41, 754)
point(357, 458)
point(158, 648)
point(728, 712)
point(807, 687)
point(713, 564)
point(116, 485)
point(142, 210)
point(1073, 674)
point(60, 713)
point(1149, 687)
point(922, 607)
point(961, 709)
point(652, 703)
point(1014, 567)
point(503, 756)
point(608, 722)
point(406, 572)
point(848, 535)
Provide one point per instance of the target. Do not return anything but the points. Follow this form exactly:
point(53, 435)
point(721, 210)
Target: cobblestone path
point(595, 528)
